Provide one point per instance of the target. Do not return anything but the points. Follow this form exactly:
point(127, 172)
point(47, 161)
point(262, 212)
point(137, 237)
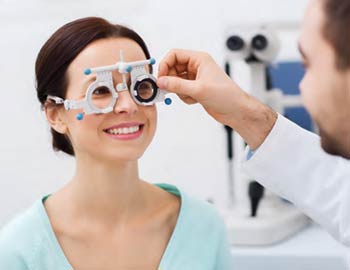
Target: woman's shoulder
point(196, 212)
point(200, 235)
point(23, 224)
point(207, 234)
point(19, 236)
point(202, 213)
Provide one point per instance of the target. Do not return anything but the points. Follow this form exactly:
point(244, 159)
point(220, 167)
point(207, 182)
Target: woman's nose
point(125, 103)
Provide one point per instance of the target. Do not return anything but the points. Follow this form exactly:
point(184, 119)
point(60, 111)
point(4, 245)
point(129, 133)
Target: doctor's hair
point(337, 30)
point(60, 50)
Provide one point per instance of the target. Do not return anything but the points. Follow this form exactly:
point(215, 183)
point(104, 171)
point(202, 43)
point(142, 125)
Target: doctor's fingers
point(187, 99)
point(177, 71)
point(181, 60)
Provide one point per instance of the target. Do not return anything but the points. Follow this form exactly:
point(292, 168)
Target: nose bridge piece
point(120, 87)
point(125, 103)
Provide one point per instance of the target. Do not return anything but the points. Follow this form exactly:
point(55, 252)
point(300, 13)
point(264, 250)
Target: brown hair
point(61, 49)
point(337, 30)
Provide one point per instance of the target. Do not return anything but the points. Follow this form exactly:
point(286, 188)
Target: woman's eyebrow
point(88, 81)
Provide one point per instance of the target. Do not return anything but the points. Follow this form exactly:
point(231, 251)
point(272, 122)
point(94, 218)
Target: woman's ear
point(54, 115)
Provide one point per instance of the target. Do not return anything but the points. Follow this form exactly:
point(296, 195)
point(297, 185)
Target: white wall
point(189, 149)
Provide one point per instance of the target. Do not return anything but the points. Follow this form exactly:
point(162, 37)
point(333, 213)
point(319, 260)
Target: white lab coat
point(292, 164)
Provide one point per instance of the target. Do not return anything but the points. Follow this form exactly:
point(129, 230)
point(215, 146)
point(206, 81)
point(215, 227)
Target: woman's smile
point(125, 131)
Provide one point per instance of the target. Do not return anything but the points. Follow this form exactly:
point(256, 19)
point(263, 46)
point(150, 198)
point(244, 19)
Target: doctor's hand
point(195, 77)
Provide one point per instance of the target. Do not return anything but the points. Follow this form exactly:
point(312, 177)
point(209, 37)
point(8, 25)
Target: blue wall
point(287, 76)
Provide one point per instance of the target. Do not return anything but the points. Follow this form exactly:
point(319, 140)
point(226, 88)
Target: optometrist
point(311, 171)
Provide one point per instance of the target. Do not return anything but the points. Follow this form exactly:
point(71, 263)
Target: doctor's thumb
point(176, 85)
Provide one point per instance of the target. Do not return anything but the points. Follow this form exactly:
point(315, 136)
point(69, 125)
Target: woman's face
point(134, 125)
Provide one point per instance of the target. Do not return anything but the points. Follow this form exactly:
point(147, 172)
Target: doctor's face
point(325, 88)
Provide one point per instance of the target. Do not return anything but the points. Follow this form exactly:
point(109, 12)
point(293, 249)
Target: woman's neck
point(105, 192)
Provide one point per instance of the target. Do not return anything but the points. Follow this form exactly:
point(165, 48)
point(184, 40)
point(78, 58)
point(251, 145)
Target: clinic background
point(189, 149)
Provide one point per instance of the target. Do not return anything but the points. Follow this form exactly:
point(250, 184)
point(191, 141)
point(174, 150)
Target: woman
point(106, 217)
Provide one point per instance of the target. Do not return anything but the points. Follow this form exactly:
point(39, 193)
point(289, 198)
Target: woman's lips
point(125, 131)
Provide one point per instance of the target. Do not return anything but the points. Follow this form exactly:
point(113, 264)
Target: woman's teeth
point(125, 130)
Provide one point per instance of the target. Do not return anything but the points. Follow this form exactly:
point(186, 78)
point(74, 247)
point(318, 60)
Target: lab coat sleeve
point(292, 164)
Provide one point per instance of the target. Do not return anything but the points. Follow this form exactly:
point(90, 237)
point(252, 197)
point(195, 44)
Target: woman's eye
point(145, 87)
point(102, 90)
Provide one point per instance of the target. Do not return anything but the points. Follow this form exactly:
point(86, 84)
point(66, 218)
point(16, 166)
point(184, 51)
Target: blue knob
point(168, 101)
point(128, 68)
point(80, 116)
point(87, 71)
point(152, 61)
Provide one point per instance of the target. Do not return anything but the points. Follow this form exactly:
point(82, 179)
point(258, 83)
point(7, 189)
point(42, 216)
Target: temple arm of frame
point(57, 100)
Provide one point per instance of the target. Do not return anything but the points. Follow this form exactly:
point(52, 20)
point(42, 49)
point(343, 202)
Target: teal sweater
point(198, 242)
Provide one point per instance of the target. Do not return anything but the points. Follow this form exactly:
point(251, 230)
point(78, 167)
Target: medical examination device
point(256, 216)
point(101, 95)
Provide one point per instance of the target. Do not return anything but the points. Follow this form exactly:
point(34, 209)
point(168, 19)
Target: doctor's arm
point(287, 159)
point(291, 163)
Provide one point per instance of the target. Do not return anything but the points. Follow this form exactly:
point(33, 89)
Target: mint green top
point(199, 240)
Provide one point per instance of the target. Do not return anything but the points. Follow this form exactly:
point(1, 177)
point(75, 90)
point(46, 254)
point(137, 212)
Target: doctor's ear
point(54, 115)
